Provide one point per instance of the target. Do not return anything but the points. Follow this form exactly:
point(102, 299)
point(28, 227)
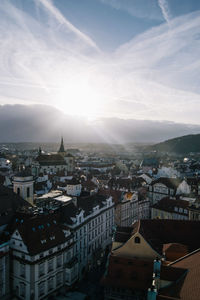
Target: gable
point(17, 243)
point(137, 247)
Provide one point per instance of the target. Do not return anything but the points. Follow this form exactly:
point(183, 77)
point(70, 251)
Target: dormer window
point(137, 240)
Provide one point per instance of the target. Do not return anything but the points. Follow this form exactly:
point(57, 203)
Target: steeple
point(62, 149)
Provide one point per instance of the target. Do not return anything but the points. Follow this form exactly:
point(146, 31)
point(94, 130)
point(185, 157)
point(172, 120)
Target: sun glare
point(80, 99)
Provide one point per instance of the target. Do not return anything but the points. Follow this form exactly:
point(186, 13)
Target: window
point(59, 261)
point(50, 283)
point(41, 269)
point(68, 256)
point(28, 192)
point(22, 289)
point(41, 288)
point(58, 279)
point(50, 265)
point(137, 240)
point(22, 270)
point(18, 191)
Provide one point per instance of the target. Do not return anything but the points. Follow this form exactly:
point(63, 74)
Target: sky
point(126, 59)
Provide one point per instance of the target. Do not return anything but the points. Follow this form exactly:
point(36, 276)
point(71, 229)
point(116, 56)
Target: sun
point(79, 99)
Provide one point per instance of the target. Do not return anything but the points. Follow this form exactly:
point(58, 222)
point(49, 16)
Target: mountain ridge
point(180, 145)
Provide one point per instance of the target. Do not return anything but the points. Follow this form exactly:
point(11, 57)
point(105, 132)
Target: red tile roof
point(187, 287)
point(128, 273)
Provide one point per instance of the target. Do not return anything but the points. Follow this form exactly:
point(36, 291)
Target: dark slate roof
point(50, 160)
point(116, 195)
point(24, 173)
point(35, 229)
point(88, 185)
point(158, 232)
point(87, 203)
point(67, 212)
point(126, 183)
point(167, 204)
point(123, 234)
point(171, 183)
point(9, 204)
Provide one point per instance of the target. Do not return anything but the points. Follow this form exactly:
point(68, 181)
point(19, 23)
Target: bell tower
point(23, 185)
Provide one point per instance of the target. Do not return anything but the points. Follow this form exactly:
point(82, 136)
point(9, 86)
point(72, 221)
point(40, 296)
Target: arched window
point(18, 191)
point(137, 240)
point(28, 192)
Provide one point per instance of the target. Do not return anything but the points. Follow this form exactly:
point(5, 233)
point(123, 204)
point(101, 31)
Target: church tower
point(62, 149)
point(23, 185)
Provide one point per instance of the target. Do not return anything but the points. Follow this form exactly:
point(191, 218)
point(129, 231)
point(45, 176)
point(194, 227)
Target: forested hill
point(180, 145)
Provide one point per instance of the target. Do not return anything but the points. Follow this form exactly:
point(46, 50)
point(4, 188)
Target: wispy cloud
point(63, 21)
point(46, 60)
point(137, 8)
point(165, 10)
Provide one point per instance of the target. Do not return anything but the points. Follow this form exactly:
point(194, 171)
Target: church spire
point(62, 149)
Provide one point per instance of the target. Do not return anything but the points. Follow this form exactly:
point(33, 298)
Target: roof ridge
point(183, 257)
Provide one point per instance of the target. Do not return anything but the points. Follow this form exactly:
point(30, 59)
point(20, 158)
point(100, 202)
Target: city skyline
point(102, 59)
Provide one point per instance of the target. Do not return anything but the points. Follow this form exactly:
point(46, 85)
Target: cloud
point(137, 8)
point(165, 10)
point(53, 11)
point(44, 59)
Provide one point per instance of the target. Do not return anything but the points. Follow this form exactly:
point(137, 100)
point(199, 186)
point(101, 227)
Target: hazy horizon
point(39, 123)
